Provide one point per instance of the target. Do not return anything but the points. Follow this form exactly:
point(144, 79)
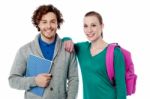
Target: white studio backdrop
point(126, 22)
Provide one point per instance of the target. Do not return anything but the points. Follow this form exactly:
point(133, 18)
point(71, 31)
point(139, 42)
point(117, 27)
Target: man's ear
point(38, 27)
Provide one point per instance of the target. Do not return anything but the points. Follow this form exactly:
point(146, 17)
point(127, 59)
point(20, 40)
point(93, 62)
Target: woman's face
point(92, 28)
point(48, 25)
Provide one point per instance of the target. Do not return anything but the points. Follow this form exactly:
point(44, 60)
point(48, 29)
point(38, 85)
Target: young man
point(62, 81)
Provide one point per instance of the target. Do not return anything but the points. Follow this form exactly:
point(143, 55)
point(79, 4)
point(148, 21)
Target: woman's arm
point(119, 66)
point(68, 44)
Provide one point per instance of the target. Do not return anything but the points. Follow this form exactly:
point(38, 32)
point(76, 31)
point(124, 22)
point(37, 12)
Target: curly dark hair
point(44, 9)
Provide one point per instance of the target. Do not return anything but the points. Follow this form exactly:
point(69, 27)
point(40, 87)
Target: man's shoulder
point(26, 46)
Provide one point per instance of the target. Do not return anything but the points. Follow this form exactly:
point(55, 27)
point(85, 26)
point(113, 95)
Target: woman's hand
point(69, 45)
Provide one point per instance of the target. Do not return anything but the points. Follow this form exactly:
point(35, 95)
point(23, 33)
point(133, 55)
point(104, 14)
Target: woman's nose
point(89, 29)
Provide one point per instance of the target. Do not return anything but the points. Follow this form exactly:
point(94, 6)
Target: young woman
point(91, 56)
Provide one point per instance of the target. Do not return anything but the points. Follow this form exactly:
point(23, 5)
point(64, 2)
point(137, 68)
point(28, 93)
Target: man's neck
point(47, 40)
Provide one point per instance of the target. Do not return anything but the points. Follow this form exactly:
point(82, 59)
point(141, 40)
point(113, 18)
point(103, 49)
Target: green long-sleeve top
point(96, 84)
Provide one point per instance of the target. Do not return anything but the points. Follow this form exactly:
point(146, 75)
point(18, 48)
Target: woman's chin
point(91, 39)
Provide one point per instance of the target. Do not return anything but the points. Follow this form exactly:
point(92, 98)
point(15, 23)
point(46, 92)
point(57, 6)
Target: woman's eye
point(93, 25)
point(44, 22)
point(85, 26)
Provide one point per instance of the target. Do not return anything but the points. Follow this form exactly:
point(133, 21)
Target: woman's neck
point(98, 44)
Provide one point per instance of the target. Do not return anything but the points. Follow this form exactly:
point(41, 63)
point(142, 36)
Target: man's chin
point(49, 37)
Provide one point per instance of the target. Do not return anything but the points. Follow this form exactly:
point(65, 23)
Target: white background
point(126, 22)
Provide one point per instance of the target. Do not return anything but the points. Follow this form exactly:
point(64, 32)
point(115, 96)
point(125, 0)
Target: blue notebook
point(37, 65)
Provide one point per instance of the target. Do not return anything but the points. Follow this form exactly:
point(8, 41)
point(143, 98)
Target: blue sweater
point(47, 49)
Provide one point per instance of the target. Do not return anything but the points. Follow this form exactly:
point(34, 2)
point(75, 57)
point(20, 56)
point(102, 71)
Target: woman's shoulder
point(118, 52)
point(81, 46)
point(85, 43)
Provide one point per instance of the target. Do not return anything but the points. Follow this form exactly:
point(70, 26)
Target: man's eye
point(53, 22)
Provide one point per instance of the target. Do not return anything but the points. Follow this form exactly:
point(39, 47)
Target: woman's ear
point(102, 26)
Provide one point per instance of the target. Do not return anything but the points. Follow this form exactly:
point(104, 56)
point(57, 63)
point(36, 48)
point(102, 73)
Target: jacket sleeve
point(16, 78)
point(119, 67)
point(73, 79)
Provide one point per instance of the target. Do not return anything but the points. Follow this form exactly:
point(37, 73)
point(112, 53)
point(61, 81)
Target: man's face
point(48, 25)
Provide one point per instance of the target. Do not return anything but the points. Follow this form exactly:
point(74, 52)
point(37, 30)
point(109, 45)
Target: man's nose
point(49, 25)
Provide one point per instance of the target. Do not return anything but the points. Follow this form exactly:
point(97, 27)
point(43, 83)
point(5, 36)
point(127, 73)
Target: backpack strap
point(110, 60)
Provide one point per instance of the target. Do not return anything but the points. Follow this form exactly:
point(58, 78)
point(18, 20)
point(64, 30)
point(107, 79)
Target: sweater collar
point(58, 45)
point(41, 42)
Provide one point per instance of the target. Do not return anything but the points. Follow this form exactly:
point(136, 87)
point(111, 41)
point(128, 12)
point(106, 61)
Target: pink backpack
point(130, 76)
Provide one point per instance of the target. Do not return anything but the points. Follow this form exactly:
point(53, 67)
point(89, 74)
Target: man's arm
point(16, 78)
point(73, 79)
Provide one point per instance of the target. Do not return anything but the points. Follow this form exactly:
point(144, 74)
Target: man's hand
point(42, 80)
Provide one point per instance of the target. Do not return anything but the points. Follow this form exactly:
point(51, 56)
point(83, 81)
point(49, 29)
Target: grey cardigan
point(64, 83)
